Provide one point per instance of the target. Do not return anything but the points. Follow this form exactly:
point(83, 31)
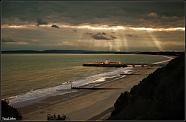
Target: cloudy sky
point(107, 25)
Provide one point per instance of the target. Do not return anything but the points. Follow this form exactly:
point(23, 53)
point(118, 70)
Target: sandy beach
point(86, 104)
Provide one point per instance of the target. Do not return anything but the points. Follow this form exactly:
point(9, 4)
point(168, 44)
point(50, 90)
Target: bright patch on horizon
point(97, 27)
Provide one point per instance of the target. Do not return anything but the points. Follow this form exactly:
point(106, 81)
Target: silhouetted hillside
point(9, 112)
point(159, 96)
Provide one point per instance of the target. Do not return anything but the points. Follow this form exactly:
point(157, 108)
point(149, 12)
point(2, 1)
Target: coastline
point(160, 96)
point(85, 104)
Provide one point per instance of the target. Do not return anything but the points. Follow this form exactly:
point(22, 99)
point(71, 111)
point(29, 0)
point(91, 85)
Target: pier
point(107, 63)
point(140, 64)
point(116, 64)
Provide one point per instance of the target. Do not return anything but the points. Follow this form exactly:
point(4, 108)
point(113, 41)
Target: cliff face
point(159, 96)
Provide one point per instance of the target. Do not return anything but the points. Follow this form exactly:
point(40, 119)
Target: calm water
point(22, 73)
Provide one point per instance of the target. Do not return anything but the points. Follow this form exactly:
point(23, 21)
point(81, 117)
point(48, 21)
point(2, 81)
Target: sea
point(33, 77)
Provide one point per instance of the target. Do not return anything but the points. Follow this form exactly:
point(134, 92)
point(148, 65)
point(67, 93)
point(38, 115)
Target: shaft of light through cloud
point(156, 42)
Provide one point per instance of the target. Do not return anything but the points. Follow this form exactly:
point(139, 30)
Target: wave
point(65, 88)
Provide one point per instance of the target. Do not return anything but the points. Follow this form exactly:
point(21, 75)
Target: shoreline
point(91, 102)
point(74, 89)
point(11, 94)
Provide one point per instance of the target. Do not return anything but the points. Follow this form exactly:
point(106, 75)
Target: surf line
point(160, 62)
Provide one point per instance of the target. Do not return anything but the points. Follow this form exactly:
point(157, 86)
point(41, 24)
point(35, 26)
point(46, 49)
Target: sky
point(93, 25)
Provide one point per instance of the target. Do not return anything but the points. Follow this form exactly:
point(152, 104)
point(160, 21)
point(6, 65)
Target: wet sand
point(86, 104)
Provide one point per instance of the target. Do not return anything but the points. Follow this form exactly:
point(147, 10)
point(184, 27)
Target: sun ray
point(156, 42)
point(124, 41)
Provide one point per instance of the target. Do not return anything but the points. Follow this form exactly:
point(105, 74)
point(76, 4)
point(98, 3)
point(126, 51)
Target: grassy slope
point(159, 96)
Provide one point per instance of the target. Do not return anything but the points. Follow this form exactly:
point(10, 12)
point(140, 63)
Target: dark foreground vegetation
point(9, 112)
point(159, 96)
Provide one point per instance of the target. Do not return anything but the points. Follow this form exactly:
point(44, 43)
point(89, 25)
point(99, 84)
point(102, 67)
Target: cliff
point(160, 96)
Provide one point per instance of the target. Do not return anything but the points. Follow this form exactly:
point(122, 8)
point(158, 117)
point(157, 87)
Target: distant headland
point(173, 53)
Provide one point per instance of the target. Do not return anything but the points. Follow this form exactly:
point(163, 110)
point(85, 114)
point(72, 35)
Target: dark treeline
point(160, 96)
point(174, 53)
point(9, 111)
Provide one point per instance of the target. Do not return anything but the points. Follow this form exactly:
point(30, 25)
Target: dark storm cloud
point(103, 36)
point(41, 22)
point(13, 42)
point(55, 26)
point(132, 36)
point(111, 13)
point(7, 40)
